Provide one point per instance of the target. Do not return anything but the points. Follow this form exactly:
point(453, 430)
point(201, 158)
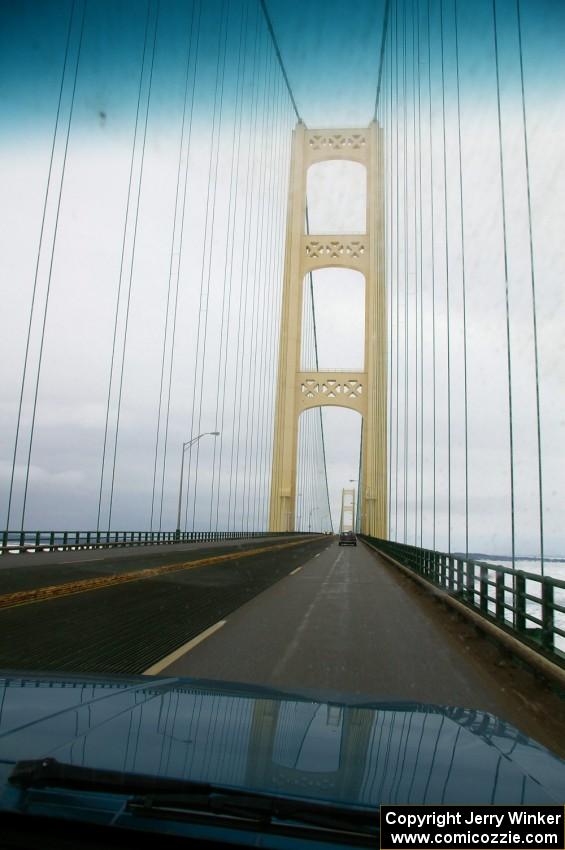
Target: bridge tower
point(364, 392)
point(347, 514)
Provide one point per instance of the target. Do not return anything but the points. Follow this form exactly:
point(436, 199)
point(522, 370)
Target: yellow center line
point(71, 588)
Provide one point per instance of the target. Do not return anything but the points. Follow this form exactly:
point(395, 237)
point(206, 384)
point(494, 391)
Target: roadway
point(348, 622)
point(280, 612)
point(122, 610)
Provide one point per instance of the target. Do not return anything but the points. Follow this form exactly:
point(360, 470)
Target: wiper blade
point(155, 795)
point(48, 772)
point(262, 809)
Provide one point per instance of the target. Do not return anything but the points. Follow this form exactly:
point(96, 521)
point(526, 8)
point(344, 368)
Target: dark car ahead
point(347, 538)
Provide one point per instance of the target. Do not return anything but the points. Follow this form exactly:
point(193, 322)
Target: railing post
point(500, 587)
point(470, 591)
point(442, 570)
point(520, 602)
point(547, 615)
point(484, 588)
point(459, 575)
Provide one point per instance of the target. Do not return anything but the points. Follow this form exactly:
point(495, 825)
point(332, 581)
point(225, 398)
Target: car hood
point(316, 746)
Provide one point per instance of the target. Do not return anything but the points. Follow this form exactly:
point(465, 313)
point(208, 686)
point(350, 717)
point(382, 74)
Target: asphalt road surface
point(348, 622)
point(281, 612)
point(109, 612)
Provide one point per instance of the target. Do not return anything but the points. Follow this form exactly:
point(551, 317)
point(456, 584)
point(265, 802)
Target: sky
point(144, 258)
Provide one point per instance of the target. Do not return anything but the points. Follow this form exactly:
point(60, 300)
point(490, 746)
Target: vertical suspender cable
point(234, 190)
point(136, 221)
point(180, 252)
point(247, 224)
point(416, 279)
point(120, 277)
point(463, 282)
point(422, 394)
point(446, 281)
point(533, 282)
point(39, 249)
point(390, 283)
point(260, 519)
point(218, 101)
point(170, 280)
point(433, 282)
point(506, 286)
point(50, 274)
point(397, 194)
point(317, 364)
point(406, 268)
point(257, 297)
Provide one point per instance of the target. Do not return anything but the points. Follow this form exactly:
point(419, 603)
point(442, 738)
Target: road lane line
point(85, 560)
point(71, 588)
point(297, 570)
point(182, 650)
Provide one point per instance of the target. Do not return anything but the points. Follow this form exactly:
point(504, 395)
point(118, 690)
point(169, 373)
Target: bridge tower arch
point(364, 392)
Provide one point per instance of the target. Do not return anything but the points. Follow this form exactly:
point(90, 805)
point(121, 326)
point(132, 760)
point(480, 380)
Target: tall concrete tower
point(364, 392)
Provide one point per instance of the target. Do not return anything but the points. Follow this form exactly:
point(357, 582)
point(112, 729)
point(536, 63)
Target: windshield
point(282, 404)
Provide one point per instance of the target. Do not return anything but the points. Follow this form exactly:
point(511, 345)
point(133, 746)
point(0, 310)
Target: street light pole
point(185, 446)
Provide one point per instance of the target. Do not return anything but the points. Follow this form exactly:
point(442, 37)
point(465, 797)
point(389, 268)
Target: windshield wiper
point(179, 798)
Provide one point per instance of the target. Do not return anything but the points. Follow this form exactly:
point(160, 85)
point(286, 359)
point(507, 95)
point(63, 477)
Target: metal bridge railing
point(45, 541)
point(528, 606)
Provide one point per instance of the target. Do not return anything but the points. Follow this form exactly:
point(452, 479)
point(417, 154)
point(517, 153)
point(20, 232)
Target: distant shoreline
point(481, 556)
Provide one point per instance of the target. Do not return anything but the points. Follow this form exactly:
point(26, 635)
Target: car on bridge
point(347, 538)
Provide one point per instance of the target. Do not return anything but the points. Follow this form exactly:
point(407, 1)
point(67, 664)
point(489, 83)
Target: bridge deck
point(312, 615)
point(347, 621)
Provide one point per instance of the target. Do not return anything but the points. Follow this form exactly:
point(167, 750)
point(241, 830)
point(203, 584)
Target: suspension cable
point(382, 54)
point(39, 249)
point(506, 286)
point(170, 276)
point(447, 305)
point(50, 274)
point(130, 283)
point(533, 287)
point(463, 283)
point(180, 254)
point(279, 57)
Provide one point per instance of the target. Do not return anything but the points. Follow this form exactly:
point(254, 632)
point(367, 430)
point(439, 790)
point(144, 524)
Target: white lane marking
point(297, 570)
point(86, 560)
point(182, 650)
point(294, 645)
point(317, 556)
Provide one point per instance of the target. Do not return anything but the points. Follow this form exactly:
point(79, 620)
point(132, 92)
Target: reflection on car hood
point(345, 750)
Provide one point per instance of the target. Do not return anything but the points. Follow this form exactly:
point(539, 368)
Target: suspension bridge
point(174, 356)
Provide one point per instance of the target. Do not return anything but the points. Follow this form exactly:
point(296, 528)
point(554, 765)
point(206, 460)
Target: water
point(552, 569)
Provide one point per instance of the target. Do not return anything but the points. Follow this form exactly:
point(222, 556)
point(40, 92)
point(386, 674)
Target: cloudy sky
point(161, 183)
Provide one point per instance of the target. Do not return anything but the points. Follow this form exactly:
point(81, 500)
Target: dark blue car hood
point(345, 750)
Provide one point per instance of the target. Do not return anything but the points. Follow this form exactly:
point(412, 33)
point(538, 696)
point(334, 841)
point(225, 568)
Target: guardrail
point(528, 606)
point(47, 541)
